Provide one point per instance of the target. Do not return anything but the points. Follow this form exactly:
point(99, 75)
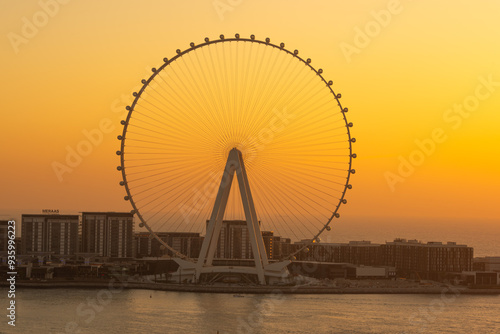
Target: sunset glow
point(72, 78)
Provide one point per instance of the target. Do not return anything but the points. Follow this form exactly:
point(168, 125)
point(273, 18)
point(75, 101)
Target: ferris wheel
point(248, 99)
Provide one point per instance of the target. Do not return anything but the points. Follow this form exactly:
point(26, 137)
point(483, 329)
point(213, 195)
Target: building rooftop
point(49, 215)
point(428, 244)
point(109, 213)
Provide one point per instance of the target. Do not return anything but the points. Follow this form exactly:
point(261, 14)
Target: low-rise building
point(481, 277)
point(487, 263)
point(409, 257)
point(187, 243)
point(413, 255)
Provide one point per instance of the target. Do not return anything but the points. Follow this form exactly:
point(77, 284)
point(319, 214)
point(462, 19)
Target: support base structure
point(188, 272)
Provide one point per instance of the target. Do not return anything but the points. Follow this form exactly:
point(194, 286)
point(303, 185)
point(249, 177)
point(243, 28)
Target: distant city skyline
point(482, 238)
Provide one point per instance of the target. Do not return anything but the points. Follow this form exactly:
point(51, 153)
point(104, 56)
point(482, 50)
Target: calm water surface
point(142, 311)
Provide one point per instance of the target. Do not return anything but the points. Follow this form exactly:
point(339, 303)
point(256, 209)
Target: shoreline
point(256, 289)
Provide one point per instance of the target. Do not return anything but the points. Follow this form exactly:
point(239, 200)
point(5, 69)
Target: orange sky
point(80, 65)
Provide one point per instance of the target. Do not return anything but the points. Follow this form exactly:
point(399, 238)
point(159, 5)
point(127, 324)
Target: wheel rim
point(245, 93)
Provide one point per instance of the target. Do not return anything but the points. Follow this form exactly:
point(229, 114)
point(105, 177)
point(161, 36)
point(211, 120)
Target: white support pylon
point(234, 164)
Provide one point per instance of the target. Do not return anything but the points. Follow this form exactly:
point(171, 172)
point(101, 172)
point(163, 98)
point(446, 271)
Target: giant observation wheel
point(264, 100)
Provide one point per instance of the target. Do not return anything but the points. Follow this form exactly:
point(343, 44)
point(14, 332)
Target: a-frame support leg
point(234, 164)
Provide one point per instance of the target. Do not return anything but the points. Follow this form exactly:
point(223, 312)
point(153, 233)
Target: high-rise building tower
point(109, 234)
point(234, 241)
point(53, 233)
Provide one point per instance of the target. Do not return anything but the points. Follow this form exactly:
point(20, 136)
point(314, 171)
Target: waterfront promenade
point(254, 289)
